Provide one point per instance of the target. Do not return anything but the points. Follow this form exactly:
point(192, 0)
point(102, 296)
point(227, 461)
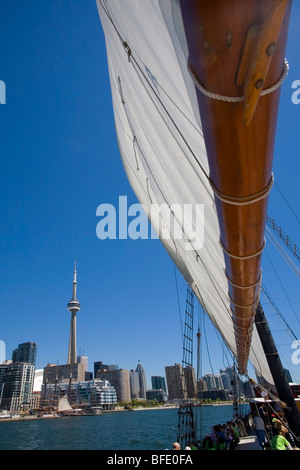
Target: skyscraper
point(134, 384)
point(158, 382)
point(26, 352)
point(176, 382)
point(142, 379)
point(74, 307)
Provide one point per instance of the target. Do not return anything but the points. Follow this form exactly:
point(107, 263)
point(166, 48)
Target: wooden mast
point(236, 53)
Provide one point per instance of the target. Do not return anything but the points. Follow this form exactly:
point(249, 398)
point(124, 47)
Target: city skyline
point(60, 162)
point(177, 379)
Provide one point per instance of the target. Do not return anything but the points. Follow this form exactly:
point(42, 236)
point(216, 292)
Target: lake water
point(124, 430)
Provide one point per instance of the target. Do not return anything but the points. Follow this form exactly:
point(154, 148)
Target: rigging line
point(178, 302)
point(283, 237)
point(132, 60)
point(282, 286)
point(169, 116)
point(207, 349)
point(291, 209)
point(136, 142)
point(277, 311)
point(199, 366)
point(282, 252)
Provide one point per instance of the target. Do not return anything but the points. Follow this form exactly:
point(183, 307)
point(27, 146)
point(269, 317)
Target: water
point(128, 430)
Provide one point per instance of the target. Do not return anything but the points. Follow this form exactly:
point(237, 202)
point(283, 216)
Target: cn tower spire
point(74, 283)
point(73, 307)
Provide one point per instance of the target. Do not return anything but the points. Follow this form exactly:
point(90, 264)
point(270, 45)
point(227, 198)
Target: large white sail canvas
point(162, 146)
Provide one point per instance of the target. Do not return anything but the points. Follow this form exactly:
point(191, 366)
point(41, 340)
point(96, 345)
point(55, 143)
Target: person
point(279, 442)
point(208, 443)
point(263, 413)
point(241, 427)
point(235, 434)
point(221, 438)
point(259, 427)
point(176, 446)
point(193, 446)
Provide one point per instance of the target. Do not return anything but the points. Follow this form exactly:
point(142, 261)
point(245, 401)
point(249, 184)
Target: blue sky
point(59, 162)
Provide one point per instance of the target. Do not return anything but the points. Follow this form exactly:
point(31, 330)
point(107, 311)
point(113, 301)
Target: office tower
point(73, 307)
point(26, 352)
point(83, 360)
point(156, 395)
point(65, 372)
point(17, 386)
point(175, 382)
point(100, 367)
point(211, 381)
point(134, 384)
point(190, 381)
point(158, 383)
point(142, 379)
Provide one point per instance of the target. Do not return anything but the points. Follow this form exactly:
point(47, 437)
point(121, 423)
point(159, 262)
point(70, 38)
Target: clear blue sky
point(59, 161)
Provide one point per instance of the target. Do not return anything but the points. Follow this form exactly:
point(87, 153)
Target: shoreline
point(9, 418)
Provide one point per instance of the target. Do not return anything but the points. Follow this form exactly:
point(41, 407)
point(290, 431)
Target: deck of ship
point(248, 443)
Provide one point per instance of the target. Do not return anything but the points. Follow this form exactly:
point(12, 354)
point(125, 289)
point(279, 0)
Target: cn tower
point(74, 307)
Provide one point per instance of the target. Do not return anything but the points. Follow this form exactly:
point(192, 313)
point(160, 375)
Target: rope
point(242, 201)
point(243, 287)
point(243, 306)
point(236, 99)
point(243, 257)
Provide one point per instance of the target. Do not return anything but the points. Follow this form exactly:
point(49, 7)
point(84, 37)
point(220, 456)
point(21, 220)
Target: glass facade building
point(26, 352)
point(93, 395)
point(158, 382)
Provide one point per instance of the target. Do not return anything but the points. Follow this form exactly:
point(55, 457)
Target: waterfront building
point(158, 382)
point(17, 378)
point(190, 381)
point(175, 382)
point(227, 384)
point(134, 384)
point(214, 394)
point(26, 352)
point(92, 395)
point(201, 386)
point(157, 395)
point(38, 380)
point(73, 307)
point(219, 381)
point(17, 387)
point(210, 381)
point(142, 380)
point(120, 380)
point(65, 372)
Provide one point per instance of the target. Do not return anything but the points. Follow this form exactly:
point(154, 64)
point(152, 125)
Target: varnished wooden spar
point(236, 53)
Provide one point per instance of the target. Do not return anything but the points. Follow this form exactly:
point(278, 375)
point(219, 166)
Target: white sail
point(161, 143)
point(64, 405)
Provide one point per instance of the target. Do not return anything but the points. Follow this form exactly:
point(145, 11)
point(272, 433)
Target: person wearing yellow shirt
point(279, 442)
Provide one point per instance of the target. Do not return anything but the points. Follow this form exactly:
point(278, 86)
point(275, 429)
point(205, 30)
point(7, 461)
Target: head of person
point(176, 446)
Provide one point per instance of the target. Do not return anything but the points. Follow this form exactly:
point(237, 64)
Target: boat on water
point(195, 88)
